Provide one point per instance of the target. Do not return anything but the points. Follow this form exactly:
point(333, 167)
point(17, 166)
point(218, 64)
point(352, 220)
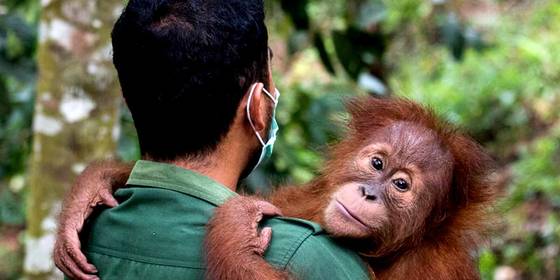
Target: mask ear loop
point(249, 115)
point(275, 100)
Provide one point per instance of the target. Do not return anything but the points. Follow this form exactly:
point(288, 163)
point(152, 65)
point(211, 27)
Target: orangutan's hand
point(94, 187)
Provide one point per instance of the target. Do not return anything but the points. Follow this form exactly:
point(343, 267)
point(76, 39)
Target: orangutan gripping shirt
point(157, 231)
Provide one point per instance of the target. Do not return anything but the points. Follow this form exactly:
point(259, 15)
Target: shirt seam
point(148, 183)
point(139, 259)
point(301, 244)
point(168, 176)
point(294, 248)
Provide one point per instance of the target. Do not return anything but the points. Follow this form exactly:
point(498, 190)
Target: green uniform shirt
point(157, 231)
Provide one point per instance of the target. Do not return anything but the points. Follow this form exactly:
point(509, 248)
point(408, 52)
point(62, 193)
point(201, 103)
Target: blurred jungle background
point(490, 66)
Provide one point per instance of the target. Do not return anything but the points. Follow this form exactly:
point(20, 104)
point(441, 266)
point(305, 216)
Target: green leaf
point(323, 54)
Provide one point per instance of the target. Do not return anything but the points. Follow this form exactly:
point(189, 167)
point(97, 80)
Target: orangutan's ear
point(472, 171)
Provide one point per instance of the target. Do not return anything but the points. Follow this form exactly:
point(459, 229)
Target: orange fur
point(458, 219)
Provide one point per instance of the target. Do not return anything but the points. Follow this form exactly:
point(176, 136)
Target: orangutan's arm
point(94, 187)
point(235, 247)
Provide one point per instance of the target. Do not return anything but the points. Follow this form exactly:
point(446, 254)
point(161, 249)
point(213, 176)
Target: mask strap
point(275, 100)
point(249, 114)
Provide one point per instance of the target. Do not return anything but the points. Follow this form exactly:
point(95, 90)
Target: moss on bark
point(76, 113)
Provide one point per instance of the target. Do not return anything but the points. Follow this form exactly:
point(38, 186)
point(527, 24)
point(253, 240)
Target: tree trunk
point(76, 114)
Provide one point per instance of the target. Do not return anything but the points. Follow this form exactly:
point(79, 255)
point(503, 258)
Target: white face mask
point(267, 146)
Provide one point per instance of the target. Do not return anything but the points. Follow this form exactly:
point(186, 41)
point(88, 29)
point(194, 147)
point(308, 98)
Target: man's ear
point(257, 107)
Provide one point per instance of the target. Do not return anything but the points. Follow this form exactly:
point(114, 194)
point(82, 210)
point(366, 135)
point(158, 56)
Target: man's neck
point(225, 164)
point(210, 170)
point(218, 166)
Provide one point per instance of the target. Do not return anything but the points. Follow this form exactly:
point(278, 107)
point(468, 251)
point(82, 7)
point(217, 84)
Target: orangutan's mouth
point(348, 214)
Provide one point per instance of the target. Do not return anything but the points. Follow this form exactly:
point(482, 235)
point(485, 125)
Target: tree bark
point(76, 114)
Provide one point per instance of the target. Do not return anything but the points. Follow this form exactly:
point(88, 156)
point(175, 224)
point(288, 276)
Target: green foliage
point(538, 171)
point(10, 263)
point(355, 42)
point(17, 78)
point(487, 264)
point(11, 208)
point(405, 11)
point(494, 93)
point(18, 34)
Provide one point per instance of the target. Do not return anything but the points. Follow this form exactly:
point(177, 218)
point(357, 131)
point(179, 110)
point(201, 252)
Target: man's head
point(185, 66)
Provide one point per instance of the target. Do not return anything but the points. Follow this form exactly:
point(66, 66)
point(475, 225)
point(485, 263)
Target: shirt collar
point(168, 176)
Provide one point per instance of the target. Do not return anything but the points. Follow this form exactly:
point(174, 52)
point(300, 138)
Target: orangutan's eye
point(401, 185)
point(377, 163)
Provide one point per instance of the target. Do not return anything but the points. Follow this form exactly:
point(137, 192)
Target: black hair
point(184, 66)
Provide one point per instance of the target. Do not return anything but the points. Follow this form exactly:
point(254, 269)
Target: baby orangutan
point(408, 192)
point(405, 190)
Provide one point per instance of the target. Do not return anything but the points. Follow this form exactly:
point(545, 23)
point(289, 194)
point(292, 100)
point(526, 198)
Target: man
point(195, 75)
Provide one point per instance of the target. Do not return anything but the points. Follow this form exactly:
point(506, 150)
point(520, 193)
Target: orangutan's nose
point(368, 192)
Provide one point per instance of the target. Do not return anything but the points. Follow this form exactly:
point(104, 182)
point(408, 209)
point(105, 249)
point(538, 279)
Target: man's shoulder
point(294, 225)
point(303, 248)
point(149, 225)
point(287, 235)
